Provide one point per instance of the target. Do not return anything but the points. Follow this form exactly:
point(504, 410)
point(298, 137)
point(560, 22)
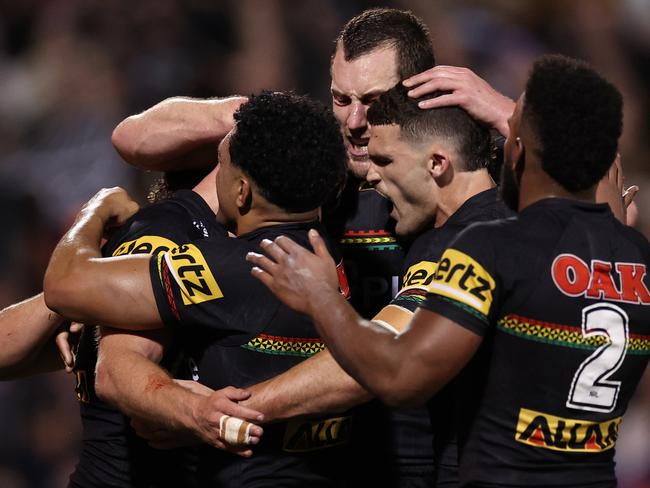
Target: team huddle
point(345, 297)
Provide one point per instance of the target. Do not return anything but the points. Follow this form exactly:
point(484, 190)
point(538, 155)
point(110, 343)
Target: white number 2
point(591, 388)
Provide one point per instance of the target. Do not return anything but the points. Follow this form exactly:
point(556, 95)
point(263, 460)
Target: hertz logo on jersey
point(145, 245)
point(190, 270)
point(559, 434)
point(461, 278)
point(420, 274)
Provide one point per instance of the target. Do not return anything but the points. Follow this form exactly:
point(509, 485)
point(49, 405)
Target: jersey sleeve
point(415, 285)
point(465, 286)
point(206, 286)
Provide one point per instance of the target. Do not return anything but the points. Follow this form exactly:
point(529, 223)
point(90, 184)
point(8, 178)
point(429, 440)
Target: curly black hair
point(379, 27)
point(471, 139)
point(577, 117)
point(292, 149)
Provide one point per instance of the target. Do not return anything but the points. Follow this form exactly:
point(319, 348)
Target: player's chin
point(358, 167)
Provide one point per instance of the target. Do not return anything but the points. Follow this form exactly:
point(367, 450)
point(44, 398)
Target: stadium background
point(71, 69)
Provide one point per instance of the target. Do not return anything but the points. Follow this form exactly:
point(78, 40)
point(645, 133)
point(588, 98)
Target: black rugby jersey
point(560, 294)
point(413, 426)
point(365, 233)
point(111, 453)
point(240, 334)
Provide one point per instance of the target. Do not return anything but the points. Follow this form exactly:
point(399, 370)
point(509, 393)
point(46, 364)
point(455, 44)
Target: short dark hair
point(382, 27)
point(292, 149)
point(472, 139)
point(577, 117)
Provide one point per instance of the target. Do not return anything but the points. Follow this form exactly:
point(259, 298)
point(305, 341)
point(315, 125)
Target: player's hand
point(113, 206)
point(221, 422)
point(466, 90)
point(66, 341)
point(611, 190)
point(294, 274)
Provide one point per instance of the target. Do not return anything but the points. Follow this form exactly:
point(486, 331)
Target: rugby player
point(559, 293)
point(374, 51)
point(111, 455)
point(281, 162)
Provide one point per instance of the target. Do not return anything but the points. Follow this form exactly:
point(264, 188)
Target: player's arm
point(466, 90)
point(177, 133)
point(129, 376)
point(26, 338)
point(318, 384)
point(400, 369)
point(82, 286)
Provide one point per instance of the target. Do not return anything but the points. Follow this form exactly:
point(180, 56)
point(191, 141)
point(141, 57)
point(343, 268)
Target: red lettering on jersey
point(344, 287)
point(574, 277)
point(537, 437)
point(570, 274)
point(602, 284)
point(632, 286)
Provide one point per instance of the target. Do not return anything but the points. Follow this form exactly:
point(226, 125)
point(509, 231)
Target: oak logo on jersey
point(192, 273)
point(420, 275)
point(559, 434)
point(463, 279)
point(573, 277)
point(309, 435)
point(145, 245)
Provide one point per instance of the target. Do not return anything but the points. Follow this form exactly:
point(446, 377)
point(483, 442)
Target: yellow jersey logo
point(546, 431)
point(145, 245)
point(420, 275)
point(463, 279)
point(192, 273)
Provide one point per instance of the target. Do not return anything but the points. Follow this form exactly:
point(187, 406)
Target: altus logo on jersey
point(600, 280)
point(540, 429)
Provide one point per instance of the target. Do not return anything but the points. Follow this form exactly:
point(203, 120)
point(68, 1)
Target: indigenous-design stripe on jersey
point(539, 429)
point(374, 240)
point(565, 335)
point(285, 346)
point(412, 296)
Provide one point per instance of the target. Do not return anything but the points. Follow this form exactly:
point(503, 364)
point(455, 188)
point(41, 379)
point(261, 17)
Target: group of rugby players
point(515, 314)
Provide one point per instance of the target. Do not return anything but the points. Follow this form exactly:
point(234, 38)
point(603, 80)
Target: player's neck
point(537, 185)
point(257, 218)
point(464, 186)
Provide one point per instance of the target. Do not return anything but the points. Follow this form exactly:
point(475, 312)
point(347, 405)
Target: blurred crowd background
point(70, 70)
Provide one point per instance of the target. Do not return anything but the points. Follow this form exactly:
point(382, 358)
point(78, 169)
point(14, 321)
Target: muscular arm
point(26, 338)
point(82, 286)
point(177, 133)
point(318, 384)
point(129, 376)
point(401, 369)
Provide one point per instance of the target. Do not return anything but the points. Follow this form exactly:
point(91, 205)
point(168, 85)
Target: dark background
point(71, 69)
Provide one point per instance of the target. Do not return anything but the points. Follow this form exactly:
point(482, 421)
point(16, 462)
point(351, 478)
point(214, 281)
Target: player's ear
point(244, 194)
point(439, 165)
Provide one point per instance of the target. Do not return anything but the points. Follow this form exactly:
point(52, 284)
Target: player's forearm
point(25, 328)
point(347, 336)
point(142, 389)
point(317, 385)
point(70, 262)
point(178, 133)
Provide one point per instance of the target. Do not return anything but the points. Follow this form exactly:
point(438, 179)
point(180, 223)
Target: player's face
point(226, 181)
point(399, 170)
point(355, 86)
point(513, 154)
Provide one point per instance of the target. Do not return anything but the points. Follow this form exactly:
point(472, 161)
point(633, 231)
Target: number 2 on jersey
point(591, 388)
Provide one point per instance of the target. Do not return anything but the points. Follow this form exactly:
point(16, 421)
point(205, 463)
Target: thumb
point(318, 244)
